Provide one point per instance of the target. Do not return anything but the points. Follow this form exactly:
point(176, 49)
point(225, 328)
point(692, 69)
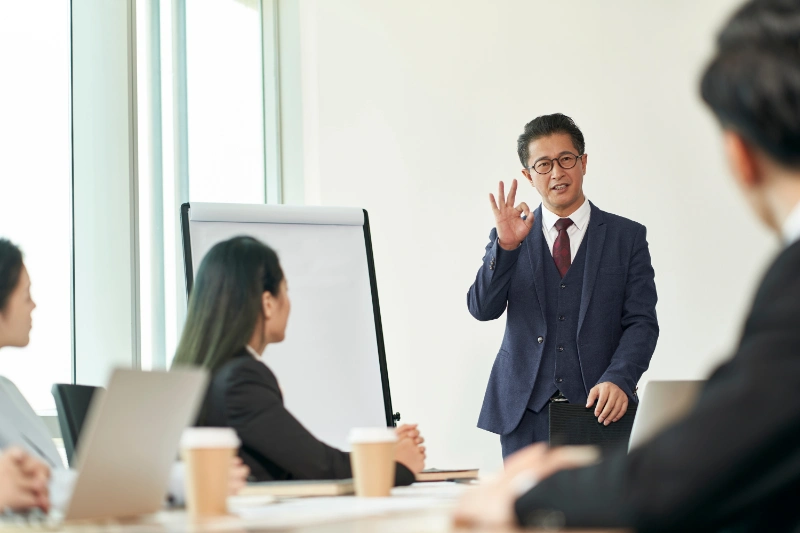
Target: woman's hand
point(237, 475)
point(23, 481)
point(410, 455)
point(409, 431)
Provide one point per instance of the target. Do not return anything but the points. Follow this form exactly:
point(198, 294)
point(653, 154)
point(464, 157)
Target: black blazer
point(245, 396)
point(733, 463)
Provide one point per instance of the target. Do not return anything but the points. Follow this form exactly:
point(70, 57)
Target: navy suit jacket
point(617, 325)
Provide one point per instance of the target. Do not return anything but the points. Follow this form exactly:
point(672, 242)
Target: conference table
point(420, 508)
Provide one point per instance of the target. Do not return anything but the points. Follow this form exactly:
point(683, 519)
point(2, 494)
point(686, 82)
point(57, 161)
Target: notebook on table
point(434, 474)
point(299, 488)
point(575, 424)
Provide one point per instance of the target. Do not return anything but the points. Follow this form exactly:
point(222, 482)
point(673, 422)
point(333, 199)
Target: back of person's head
point(547, 125)
point(753, 82)
point(10, 270)
point(226, 301)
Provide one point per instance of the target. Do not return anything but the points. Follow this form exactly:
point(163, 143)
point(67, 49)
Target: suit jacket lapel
point(595, 237)
point(534, 241)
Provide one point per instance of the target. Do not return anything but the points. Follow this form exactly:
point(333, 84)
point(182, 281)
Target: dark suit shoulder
point(624, 224)
point(243, 367)
point(775, 305)
point(781, 281)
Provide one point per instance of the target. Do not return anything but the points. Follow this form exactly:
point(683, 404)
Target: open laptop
point(663, 403)
point(130, 442)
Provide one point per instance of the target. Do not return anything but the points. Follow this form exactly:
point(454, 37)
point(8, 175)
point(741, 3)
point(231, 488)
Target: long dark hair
point(10, 269)
point(225, 303)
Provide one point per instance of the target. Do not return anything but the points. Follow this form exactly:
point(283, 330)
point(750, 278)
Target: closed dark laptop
point(574, 424)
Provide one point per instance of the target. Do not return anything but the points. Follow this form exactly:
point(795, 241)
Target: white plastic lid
point(365, 435)
point(209, 438)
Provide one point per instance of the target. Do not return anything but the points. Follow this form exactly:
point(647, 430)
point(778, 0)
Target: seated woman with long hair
point(239, 304)
point(31, 471)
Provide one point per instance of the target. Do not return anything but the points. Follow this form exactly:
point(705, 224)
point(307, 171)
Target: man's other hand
point(612, 402)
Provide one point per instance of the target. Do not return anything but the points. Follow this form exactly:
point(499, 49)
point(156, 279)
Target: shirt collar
point(791, 227)
point(253, 352)
point(579, 218)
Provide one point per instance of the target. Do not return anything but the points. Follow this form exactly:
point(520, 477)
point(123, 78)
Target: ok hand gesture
point(511, 229)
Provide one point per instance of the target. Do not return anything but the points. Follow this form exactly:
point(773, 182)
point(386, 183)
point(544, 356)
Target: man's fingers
point(592, 397)
point(602, 399)
point(613, 412)
point(492, 201)
point(528, 215)
point(512, 194)
point(501, 195)
point(611, 403)
point(622, 409)
point(607, 410)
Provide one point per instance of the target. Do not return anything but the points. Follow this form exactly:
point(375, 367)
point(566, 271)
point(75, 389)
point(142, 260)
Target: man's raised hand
point(511, 228)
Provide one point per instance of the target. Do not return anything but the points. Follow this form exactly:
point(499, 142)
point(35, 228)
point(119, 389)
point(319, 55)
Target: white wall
point(413, 114)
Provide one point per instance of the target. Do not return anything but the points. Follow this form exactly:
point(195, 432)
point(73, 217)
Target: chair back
point(72, 403)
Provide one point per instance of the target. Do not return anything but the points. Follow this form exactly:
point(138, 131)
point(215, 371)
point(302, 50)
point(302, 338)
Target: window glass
point(224, 99)
point(36, 185)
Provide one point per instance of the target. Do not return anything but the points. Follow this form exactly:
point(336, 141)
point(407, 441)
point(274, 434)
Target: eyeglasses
point(566, 161)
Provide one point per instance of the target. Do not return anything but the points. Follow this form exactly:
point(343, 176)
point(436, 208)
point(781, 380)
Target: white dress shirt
point(580, 221)
point(791, 227)
point(254, 353)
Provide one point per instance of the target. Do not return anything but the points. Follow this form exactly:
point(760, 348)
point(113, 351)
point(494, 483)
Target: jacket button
point(540, 340)
point(559, 380)
point(563, 286)
point(560, 348)
point(562, 318)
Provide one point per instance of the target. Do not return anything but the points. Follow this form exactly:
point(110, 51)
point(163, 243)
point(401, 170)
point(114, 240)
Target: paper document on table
point(307, 511)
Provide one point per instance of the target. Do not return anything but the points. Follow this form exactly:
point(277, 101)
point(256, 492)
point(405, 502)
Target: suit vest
point(560, 368)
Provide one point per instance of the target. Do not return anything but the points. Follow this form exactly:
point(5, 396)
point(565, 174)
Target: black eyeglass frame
point(554, 161)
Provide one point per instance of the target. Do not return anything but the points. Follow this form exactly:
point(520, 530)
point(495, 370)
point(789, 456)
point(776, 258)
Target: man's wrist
point(507, 247)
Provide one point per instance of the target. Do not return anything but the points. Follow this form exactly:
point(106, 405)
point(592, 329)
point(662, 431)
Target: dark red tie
point(562, 254)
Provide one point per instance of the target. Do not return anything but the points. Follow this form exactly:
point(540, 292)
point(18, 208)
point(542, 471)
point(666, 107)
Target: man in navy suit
point(579, 289)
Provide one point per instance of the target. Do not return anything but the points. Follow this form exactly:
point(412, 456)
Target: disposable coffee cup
point(207, 454)
point(372, 461)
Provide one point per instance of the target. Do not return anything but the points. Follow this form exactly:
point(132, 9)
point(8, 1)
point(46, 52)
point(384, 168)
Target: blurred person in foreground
point(733, 464)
